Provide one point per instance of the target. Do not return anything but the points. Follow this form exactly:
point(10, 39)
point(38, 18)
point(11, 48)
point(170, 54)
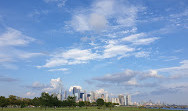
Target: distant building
point(58, 95)
point(121, 100)
point(65, 95)
point(88, 97)
point(115, 100)
point(128, 100)
point(93, 96)
point(102, 96)
point(82, 96)
point(85, 95)
point(106, 98)
point(76, 93)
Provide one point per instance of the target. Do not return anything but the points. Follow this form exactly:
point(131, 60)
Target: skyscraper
point(128, 100)
point(121, 100)
point(92, 96)
point(102, 96)
point(65, 94)
point(82, 96)
point(59, 95)
point(85, 95)
point(74, 90)
point(106, 97)
point(76, 93)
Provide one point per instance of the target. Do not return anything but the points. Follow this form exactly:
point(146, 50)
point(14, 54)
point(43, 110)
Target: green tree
point(100, 102)
point(93, 104)
point(71, 101)
point(64, 103)
point(36, 102)
point(81, 104)
point(87, 103)
point(13, 100)
point(109, 104)
point(45, 99)
point(3, 102)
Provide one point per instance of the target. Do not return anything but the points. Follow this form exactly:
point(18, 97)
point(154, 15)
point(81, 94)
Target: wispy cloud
point(60, 69)
point(72, 56)
point(53, 86)
point(60, 3)
point(100, 13)
point(13, 37)
point(7, 79)
point(9, 52)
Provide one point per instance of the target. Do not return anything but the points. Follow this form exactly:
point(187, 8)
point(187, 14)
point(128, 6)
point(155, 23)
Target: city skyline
point(135, 47)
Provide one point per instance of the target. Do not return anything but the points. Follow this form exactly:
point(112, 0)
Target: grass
point(83, 109)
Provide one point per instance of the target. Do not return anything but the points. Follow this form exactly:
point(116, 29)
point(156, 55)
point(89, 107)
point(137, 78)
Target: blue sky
point(134, 47)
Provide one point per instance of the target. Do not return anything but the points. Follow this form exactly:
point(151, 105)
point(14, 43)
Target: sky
point(136, 47)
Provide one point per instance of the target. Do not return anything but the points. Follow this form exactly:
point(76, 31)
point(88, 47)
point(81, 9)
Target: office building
point(128, 100)
point(121, 100)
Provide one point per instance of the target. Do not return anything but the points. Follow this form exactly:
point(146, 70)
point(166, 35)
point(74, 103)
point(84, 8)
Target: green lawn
point(82, 109)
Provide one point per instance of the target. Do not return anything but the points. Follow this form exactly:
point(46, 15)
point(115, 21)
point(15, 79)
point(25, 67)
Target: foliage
point(3, 102)
point(71, 101)
point(48, 101)
point(81, 104)
point(100, 103)
point(83, 109)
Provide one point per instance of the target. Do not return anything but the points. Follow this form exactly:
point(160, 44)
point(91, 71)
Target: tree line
point(46, 100)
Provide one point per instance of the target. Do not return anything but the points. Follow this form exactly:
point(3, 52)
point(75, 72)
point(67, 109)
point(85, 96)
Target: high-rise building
point(85, 95)
point(82, 96)
point(106, 97)
point(128, 100)
point(102, 96)
point(115, 100)
point(125, 100)
point(121, 100)
point(76, 93)
point(59, 96)
point(92, 96)
point(65, 95)
point(74, 90)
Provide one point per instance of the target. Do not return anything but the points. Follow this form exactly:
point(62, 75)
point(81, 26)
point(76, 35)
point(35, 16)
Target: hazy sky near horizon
point(136, 47)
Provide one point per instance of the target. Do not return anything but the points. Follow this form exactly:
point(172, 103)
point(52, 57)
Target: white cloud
point(9, 54)
point(101, 91)
point(55, 85)
point(80, 23)
point(60, 3)
point(132, 38)
point(116, 50)
point(72, 56)
point(60, 69)
point(131, 82)
point(97, 22)
point(8, 50)
point(13, 37)
point(78, 54)
point(145, 41)
point(71, 88)
point(178, 71)
point(184, 65)
point(153, 74)
point(101, 13)
point(93, 21)
point(54, 62)
point(139, 39)
point(29, 94)
point(37, 85)
point(142, 54)
point(118, 77)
